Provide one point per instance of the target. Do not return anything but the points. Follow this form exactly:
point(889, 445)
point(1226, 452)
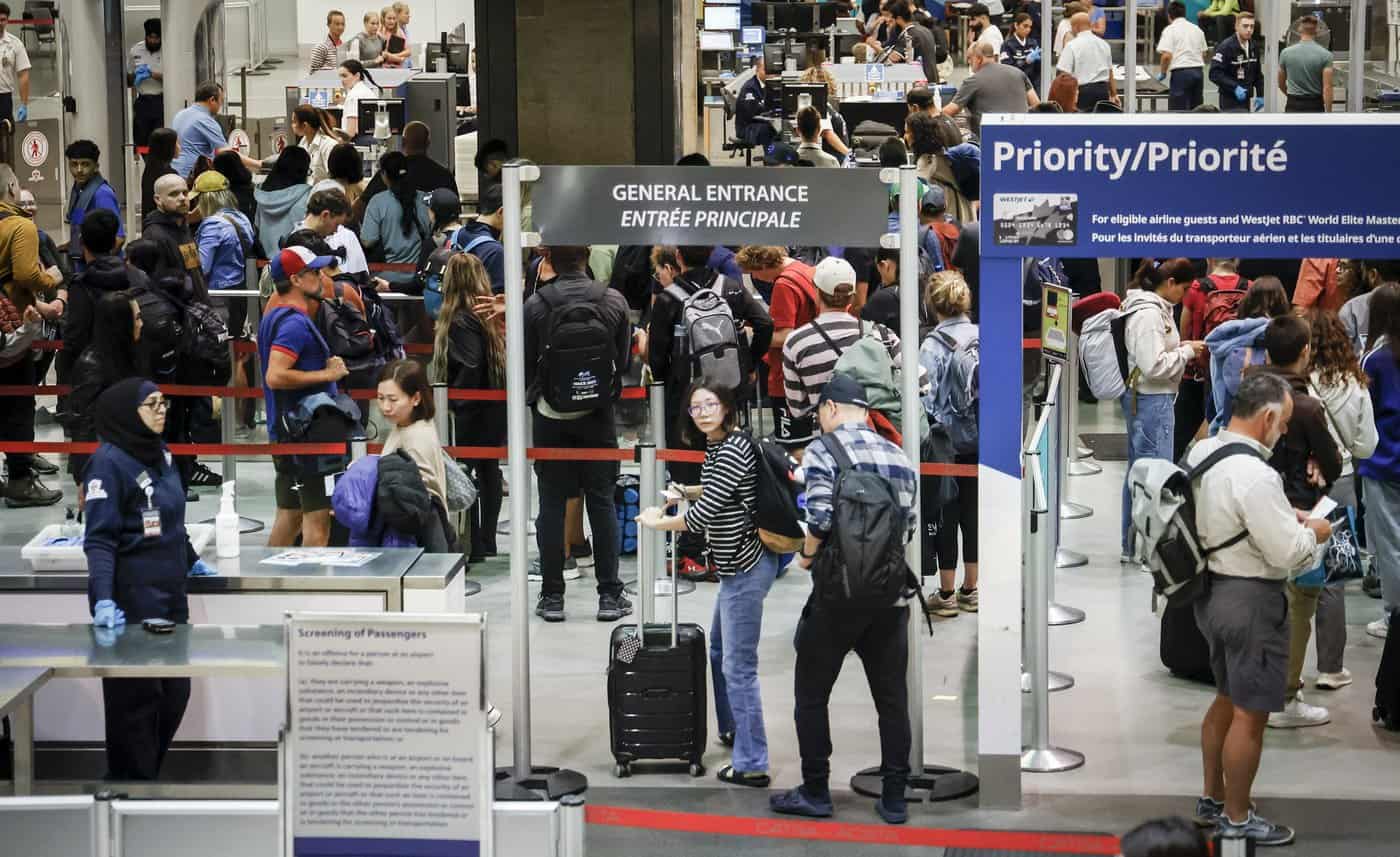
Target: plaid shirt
point(868, 451)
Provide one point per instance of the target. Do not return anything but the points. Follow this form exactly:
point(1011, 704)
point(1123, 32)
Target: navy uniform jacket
point(145, 577)
point(1232, 66)
point(750, 105)
point(1016, 54)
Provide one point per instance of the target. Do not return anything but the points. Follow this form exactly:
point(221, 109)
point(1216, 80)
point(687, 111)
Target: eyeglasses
point(159, 406)
point(704, 408)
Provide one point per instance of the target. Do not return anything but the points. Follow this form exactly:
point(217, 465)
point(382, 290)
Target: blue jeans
point(1150, 433)
point(734, 636)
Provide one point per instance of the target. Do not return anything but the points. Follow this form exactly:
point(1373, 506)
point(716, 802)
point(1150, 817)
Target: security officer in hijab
point(145, 74)
point(139, 558)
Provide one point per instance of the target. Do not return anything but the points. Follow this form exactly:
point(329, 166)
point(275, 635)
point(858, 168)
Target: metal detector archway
point(1155, 186)
point(696, 206)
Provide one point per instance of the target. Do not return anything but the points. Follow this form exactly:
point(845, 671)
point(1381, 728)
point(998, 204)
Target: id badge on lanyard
point(150, 516)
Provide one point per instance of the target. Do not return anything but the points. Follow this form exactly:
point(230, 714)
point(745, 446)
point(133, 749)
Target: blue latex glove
point(1257, 105)
point(1034, 55)
point(141, 75)
point(1241, 93)
point(107, 637)
point(106, 614)
point(200, 569)
point(22, 114)
point(1162, 77)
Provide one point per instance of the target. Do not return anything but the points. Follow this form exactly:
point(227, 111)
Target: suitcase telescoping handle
point(675, 593)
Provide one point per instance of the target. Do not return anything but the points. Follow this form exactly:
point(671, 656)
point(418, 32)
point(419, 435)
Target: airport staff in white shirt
point(988, 33)
point(1090, 60)
point(1182, 48)
point(14, 71)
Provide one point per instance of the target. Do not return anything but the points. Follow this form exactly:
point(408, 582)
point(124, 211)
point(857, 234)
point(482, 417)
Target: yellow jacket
point(21, 272)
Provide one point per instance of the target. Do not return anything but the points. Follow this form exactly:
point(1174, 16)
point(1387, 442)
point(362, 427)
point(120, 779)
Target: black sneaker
point(43, 466)
point(24, 493)
point(1263, 832)
point(613, 607)
point(203, 477)
point(550, 608)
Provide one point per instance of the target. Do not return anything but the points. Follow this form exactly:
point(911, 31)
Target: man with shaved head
point(168, 226)
point(1090, 60)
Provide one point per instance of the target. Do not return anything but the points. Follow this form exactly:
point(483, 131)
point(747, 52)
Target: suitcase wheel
point(697, 769)
point(622, 770)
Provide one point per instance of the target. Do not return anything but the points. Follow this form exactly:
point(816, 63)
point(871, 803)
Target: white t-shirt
point(1186, 42)
point(1062, 36)
point(140, 55)
point(13, 60)
point(991, 35)
point(357, 92)
point(1088, 58)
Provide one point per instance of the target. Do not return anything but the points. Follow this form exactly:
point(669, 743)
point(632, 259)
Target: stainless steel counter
point(17, 688)
point(130, 651)
point(18, 684)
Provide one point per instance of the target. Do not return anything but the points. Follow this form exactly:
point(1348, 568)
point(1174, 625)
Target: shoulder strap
point(829, 341)
point(475, 243)
point(838, 452)
point(677, 293)
point(1227, 451)
point(246, 246)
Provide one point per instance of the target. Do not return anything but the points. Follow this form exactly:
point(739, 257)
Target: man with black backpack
point(481, 236)
point(578, 343)
point(1259, 541)
point(860, 512)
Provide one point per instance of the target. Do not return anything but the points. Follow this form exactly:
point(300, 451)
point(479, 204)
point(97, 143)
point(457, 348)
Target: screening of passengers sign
point(716, 205)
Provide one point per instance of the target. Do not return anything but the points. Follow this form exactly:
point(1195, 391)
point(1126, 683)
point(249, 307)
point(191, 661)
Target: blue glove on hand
point(1257, 105)
point(1241, 93)
point(142, 74)
point(200, 569)
point(1162, 77)
point(1034, 55)
point(106, 614)
point(22, 114)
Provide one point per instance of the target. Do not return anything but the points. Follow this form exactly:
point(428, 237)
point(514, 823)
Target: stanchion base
point(1058, 682)
point(1074, 511)
point(1050, 760)
point(662, 587)
point(935, 785)
point(471, 587)
point(1062, 615)
point(1066, 558)
point(1082, 451)
point(544, 783)
point(1084, 467)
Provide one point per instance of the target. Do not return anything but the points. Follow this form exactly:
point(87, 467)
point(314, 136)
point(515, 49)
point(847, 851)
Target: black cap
point(445, 205)
point(779, 154)
point(152, 26)
point(843, 390)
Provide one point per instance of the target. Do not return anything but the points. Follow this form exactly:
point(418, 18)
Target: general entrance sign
point(717, 205)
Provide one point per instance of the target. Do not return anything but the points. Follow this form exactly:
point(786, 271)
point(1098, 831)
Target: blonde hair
point(818, 74)
point(948, 295)
point(210, 203)
point(371, 15)
point(757, 257)
point(463, 281)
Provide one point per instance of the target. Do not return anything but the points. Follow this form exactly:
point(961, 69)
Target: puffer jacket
point(1351, 418)
point(405, 504)
point(105, 274)
point(1155, 351)
point(354, 507)
point(92, 373)
point(1232, 345)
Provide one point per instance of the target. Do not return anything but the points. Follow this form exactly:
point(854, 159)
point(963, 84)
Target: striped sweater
point(724, 512)
point(809, 357)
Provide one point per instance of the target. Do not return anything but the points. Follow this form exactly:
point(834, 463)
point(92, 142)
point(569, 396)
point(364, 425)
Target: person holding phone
point(139, 558)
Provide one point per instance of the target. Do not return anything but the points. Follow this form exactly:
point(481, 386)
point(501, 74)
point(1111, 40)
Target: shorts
point(1245, 623)
point(792, 431)
point(296, 489)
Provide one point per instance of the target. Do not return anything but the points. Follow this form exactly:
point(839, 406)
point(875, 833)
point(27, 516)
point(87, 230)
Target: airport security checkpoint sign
point(387, 752)
point(1321, 186)
point(710, 205)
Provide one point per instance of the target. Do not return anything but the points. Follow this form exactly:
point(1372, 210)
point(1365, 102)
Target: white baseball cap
point(832, 273)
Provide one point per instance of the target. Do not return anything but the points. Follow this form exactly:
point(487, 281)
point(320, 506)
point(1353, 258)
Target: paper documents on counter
point(335, 558)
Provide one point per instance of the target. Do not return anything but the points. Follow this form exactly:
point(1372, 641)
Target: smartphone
point(158, 626)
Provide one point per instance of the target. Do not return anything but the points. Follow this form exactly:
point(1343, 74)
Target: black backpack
point(578, 369)
point(777, 517)
point(202, 341)
point(631, 274)
point(348, 333)
point(162, 331)
point(861, 564)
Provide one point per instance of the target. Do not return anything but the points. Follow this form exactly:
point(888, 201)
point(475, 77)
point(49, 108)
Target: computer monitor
point(773, 57)
point(722, 40)
point(722, 18)
point(772, 95)
point(459, 57)
point(753, 36)
point(801, 17)
point(464, 91)
point(370, 106)
point(798, 95)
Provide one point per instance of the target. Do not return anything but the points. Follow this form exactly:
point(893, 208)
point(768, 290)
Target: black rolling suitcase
point(657, 696)
point(1387, 710)
point(1183, 648)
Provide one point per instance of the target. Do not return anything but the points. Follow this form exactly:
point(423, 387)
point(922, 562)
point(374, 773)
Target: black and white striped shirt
point(724, 512)
point(809, 358)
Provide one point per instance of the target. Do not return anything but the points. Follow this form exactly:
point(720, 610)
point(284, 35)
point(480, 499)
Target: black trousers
point(147, 114)
point(17, 415)
point(1190, 413)
point(143, 715)
point(1187, 89)
point(1091, 94)
point(486, 514)
point(959, 515)
point(559, 481)
point(1303, 104)
point(824, 638)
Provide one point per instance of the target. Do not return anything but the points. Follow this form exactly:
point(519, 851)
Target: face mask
point(432, 297)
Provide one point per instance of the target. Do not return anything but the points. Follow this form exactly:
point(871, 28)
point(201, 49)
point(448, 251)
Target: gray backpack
point(959, 392)
point(707, 338)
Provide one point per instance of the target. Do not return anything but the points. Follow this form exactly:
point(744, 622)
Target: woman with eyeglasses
point(723, 510)
point(139, 558)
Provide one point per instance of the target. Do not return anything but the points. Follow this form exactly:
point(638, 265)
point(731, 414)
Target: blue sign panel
point(1191, 185)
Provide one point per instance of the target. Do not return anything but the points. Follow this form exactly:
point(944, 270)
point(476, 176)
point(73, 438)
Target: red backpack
point(1222, 305)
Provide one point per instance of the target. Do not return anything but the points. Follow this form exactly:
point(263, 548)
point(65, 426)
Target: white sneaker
point(1334, 681)
point(1379, 628)
point(571, 570)
point(493, 716)
point(1298, 714)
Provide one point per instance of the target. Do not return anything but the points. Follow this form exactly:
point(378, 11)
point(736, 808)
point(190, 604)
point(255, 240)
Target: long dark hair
point(1265, 299)
point(345, 164)
point(113, 328)
point(161, 145)
point(394, 168)
point(1385, 317)
point(357, 68)
point(319, 120)
point(1152, 275)
point(692, 435)
point(291, 168)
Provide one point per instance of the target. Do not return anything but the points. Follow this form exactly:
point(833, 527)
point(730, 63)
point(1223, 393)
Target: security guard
point(139, 557)
point(1235, 69)
point(747, 126)
point(144, 74)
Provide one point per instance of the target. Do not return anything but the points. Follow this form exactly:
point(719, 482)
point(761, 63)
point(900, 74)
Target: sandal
point(754, 779)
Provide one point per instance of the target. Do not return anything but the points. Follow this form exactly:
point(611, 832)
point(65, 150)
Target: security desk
point(17, 687)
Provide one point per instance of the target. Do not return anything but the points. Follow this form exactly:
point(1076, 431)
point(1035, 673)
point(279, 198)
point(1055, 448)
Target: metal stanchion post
point(228, 414)
point(1064, 558)
point(1079, 455)
point(523, 780)
point(572, 839)
point(1130, 57)
point(1047, 40)
point(441, 416)
point(926, 782)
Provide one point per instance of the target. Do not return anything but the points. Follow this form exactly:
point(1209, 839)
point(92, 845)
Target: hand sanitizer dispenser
point(226, 525)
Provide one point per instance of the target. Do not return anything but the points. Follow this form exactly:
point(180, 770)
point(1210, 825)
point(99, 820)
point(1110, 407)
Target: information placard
point(386, 751)
point(1055, 322)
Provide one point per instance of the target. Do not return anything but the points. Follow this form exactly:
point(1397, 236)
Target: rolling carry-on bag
point(1387, 710)
point(1184, 649)
point(657, 696)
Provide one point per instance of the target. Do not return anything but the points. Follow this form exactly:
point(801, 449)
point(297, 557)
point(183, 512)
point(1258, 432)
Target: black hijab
point(119, 423)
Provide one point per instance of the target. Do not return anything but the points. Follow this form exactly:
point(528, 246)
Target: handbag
point(1341, 556)
point(461, 490)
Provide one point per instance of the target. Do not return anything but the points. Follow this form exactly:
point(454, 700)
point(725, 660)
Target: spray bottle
point(226, 525)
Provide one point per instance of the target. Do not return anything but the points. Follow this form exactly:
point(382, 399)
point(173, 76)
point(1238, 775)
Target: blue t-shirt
point(383, 229)
point(199, 134)
point(491, 253)
point(290, 331)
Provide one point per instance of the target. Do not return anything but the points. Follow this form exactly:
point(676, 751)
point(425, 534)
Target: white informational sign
point(387, 752)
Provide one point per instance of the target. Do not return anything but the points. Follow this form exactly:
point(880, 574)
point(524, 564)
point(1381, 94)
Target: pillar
point(96, 31)
point(178, 20)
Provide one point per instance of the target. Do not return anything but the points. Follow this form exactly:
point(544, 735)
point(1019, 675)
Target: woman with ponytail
point(358, 85)
point(396, 221)
point(317, 134)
